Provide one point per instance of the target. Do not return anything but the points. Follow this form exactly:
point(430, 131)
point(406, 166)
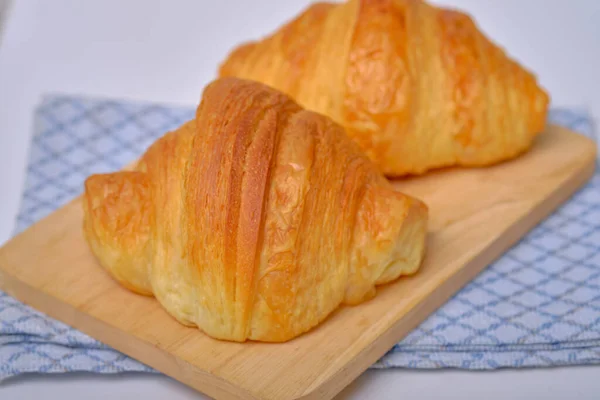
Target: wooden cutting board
point(476, 215)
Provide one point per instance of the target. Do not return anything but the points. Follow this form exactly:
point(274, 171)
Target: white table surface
point(166, 51)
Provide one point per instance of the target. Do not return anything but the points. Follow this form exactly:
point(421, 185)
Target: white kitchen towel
point(538, 305)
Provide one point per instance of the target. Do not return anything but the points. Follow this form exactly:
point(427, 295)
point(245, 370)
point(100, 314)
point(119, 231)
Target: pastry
point(255, 220)
point(416, 86)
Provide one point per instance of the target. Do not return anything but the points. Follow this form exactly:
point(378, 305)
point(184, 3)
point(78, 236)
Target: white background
point(166, 51)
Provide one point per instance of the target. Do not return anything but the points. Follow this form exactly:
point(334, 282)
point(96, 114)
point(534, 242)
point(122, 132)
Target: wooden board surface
point(475, 216)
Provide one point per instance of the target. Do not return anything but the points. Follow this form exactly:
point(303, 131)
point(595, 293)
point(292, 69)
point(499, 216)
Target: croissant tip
point(91, 182)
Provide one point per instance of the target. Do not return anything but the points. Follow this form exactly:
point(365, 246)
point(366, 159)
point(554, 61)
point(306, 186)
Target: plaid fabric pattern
point(538, 305)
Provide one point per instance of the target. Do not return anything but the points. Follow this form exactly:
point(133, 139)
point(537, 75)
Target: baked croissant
point(255, 220)
point(416, 86)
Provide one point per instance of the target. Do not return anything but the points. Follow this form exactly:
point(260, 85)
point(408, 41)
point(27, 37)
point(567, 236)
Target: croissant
point(416, 86)
point(255, 220)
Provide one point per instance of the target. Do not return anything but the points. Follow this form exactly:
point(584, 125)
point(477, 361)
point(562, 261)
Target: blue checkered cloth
point(537, 306)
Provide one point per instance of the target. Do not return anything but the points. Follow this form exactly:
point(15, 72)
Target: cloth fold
point(537, 306)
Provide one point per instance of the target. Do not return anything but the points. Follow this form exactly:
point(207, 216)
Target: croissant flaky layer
point(417, 86)
point(255, 220)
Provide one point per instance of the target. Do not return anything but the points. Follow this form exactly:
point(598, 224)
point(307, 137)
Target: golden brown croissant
point(418, 87)
point(255, 220)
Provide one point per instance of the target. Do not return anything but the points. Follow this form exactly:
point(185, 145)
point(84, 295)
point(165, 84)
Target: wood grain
point(476, 214)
